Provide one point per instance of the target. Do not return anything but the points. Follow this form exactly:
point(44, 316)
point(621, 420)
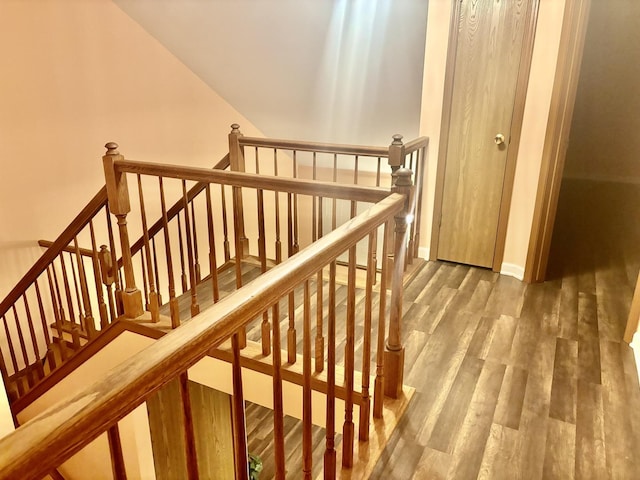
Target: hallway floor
point(527, 381)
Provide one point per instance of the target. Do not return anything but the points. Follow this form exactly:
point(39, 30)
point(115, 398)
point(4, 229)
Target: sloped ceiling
point(325, 70)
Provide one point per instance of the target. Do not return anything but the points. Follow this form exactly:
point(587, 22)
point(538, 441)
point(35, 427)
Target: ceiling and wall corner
point(337, 71)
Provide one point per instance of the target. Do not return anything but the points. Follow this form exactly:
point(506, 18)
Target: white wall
point(536, 114)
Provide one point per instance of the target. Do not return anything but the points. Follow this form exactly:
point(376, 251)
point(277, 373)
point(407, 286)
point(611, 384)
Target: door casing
point(522, 83)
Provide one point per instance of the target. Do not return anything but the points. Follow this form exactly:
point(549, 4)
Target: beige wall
point(134, 428)
point(74, 76)
point(534, 123)
point(604, 142)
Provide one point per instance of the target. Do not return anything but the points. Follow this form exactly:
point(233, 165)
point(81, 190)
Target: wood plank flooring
point(527, 381)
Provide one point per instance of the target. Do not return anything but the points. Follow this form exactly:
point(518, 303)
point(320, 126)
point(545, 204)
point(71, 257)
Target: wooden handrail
point(64, 429)
point(85, 252)
point(416, 144)
point(340, 149)
point(63, 241)
point(176, 208)
point(259, 182)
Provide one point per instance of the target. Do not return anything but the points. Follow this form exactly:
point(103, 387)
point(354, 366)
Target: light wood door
point(488, 54)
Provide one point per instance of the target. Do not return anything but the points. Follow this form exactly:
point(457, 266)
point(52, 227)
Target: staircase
point(302, 264)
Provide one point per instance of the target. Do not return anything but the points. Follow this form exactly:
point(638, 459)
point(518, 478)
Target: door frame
point(563, 97)
point(522, 84)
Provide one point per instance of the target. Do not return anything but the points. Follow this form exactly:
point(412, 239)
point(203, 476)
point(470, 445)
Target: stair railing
point(64, 290)
point(48, 440)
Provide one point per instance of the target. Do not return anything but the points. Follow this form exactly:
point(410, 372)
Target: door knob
point(499, 139)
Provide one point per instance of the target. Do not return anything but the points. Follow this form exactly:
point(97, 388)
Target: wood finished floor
point(513, 381)
point(527, 381)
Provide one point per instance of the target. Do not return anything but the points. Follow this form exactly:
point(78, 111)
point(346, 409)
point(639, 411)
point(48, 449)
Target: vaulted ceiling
point(330, 70)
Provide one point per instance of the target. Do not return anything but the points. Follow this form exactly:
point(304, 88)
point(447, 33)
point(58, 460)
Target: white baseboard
point(603, 178)
point(512, 270)
point(635, 346)
point(423, 252)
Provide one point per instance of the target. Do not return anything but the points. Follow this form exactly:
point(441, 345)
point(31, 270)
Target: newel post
point(394, 351)
point(396, 153)
point(236, 161)
point(118, 194)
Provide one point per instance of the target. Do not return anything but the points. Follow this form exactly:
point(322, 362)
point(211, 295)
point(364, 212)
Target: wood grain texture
point(569, 403)
point(488, 58)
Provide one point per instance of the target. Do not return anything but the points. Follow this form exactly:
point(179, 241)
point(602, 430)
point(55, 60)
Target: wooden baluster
point(67, 290)
point(417, 214)
point(12, 351)
point(56, 302)
point(236, 162)
point(118, 194)
point(189, 435)
point(213, 264)
point(394, 353)
point(333, 200)
point(89, 322)
point(375, 244)
point(307, 446)
point(195, 244)
point(396, 159)
point(314, 202)
point(378, 389)
point(76, 290)
point(225, 225)
point(34, 340)
point(23, 346)
point(291, 332)
point(195, 307)
point(319, 343)
point(262, 253)
point(102, 307)
point(277, 210)
point(238, 241)
point(330, 451)
point(348, 426)
point(410, 217)
point(173, 301)
point(3, 370)
point(365, 405)
point(296, 242)
point(238, 413)
point(154, 251)
point(145, 290)
point(115, 273)
point(61, 311)
point(183, 274)
point(153, 294)
point(108, 276)
point(45, 327)
point(115, 449)
point(278, 410)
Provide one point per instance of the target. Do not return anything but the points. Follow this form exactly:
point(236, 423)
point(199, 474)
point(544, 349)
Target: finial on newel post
point(396, 153)
point(119, 205)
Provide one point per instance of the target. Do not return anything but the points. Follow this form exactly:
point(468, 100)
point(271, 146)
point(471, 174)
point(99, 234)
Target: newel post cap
point(235, 128)
point(397, 139)
point(402, 177)
point(112, 148)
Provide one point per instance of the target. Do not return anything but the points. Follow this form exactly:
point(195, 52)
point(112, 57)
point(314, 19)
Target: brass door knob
point(499, 139)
